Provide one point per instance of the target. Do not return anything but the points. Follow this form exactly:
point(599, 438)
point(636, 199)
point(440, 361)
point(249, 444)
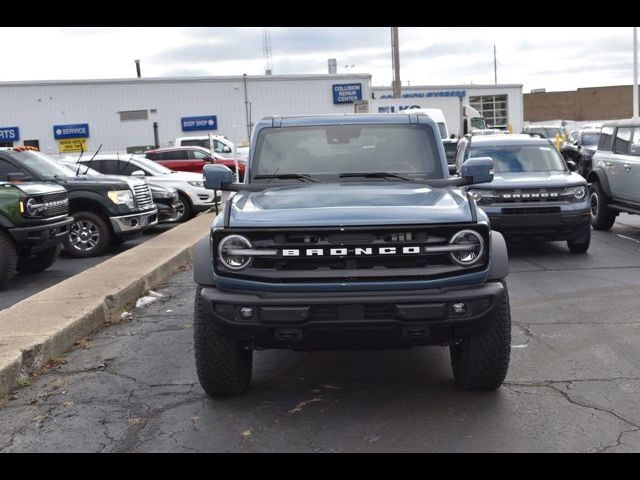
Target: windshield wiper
point(373, 175)
point(295, 176)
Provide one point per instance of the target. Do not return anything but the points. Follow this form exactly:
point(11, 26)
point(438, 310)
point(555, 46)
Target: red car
point(191, 159)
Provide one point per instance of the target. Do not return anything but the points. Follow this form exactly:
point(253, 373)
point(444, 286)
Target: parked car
point(545, 131)
point(165, 197)
point(534, 194)
point(103, 209)
point(332, 243)
point(221, 145)
point(580, 148)
point(33, 223)
point(615, 177)
point(191, 159)
point(192, 196)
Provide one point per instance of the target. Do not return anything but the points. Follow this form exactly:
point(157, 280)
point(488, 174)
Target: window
point(106, 167)
point(335, 149)
point(590, 138)
point(6, 168)
point(623, 139)
point(6, 144)
point(195, 143)
point(134, 115)
point(32, 143)
point(197, 155)
point(493, 109)
point(128, 168)
point(155, 156)
point(635, 142)
point(177, 155)
point(522, 158)
point(606, 138)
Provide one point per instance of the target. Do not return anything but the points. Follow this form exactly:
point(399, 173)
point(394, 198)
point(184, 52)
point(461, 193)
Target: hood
point(183, 176)
point(39, 188)
point(327, 205)
point(103, 180)
point(533, 180)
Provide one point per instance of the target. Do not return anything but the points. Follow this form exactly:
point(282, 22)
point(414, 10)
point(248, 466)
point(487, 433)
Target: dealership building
point(139, 113)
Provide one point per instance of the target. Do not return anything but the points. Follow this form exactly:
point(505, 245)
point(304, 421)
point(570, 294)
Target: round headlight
point(226, 247)
point(579, 193)
point(471, 246)
point(34, 208)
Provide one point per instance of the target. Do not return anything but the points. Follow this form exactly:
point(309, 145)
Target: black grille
point(413, 256)
point(143, 196)
point(55, 204)
point(371, 311)
point(530, 210)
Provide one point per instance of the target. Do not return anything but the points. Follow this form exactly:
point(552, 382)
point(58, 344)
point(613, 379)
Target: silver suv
point(615, 177)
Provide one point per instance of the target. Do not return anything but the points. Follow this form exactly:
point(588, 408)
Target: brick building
point(592, 103)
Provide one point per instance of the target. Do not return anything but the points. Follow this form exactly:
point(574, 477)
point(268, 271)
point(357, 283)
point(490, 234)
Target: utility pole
point(635, 72)
point(138, 68)
point(395, 63)
point(495, 64)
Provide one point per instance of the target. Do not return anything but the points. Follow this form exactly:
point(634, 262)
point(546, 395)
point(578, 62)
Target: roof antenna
point(78, 161)
point(94, 156)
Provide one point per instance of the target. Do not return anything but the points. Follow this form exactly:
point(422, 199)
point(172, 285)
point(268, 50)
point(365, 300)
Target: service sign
point(9, 134)
point(77, 130)
point(72, 145)
point(347, 92)
point(205, 122)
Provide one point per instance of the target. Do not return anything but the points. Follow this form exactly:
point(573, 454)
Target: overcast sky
point(554, 58)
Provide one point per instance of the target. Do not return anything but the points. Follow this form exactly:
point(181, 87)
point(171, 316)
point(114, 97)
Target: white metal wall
point(35, 107)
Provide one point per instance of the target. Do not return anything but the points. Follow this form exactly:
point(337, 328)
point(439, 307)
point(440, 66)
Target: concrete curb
point(46, 325)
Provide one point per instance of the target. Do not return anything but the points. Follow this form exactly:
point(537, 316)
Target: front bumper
point(134, 223)
point(41, 237)
point(337, 321)
point(203, 199)
point(167, 212)
point(531, 225)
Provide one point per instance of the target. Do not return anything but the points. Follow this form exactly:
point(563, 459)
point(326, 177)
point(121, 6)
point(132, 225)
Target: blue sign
point(444, 93)
point(77, 130)
point(9, 134)
point(206, 122)
point(347, 92)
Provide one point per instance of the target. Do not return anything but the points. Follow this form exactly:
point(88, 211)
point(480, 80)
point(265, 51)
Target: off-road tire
point(188, 208)
point(105, 235)
point(8, 258)
point(602, 217)
point(582, 245)
point(223, 365)
point(38, 262)
point(481, 362)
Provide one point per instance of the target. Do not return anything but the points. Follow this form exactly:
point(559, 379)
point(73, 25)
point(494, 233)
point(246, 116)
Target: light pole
point(635, 72)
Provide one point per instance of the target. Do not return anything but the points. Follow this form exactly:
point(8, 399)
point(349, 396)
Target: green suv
point(33, 223)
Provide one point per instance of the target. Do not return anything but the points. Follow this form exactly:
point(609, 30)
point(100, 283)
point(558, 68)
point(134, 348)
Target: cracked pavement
point(573, 383)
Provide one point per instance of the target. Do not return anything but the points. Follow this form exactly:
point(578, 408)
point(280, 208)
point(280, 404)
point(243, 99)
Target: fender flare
point(202, 263)
point(599, 175)
point(499, 257)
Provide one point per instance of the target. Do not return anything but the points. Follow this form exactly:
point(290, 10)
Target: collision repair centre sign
point(9, 134)
point(347, 92)
point(206, 122)
point(78, 130)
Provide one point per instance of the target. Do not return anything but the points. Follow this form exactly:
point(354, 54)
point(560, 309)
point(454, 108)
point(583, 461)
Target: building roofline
point(205, 79)
point(450, 87)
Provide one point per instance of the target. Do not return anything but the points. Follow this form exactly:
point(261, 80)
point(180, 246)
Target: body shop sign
point(347, 92)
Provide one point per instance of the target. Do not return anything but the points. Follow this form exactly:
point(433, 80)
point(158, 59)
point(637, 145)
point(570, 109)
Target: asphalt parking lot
point(23, 285)
point(573, 383)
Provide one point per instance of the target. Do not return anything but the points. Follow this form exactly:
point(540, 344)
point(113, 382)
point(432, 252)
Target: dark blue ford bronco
point(349, 233)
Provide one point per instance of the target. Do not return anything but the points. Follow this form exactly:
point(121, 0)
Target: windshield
point(152, 166)
point(590, 138)
point(478, 122)
point(40, 164)
point(522, 158)
point(331, 150)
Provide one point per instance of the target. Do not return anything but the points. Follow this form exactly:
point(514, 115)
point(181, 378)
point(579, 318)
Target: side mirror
point(480, 169)
point(572, 165)
point(138, 173)
point(215, 175)
point(226, 149)
point(635, 149)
